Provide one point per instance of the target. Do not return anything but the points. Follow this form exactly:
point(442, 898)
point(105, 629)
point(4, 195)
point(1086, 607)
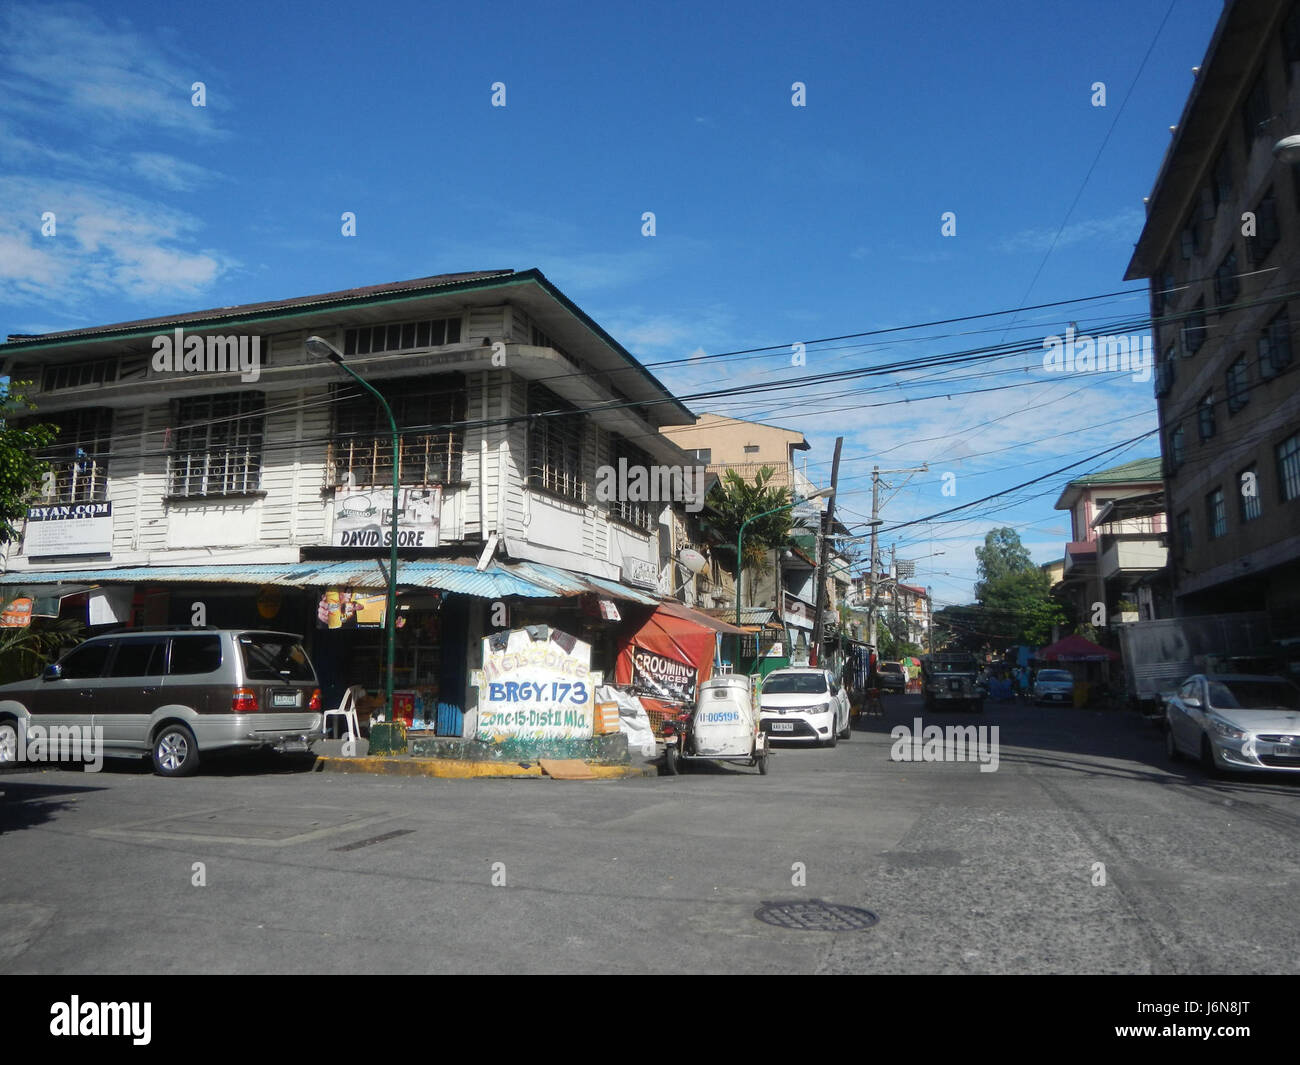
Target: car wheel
point(1208, 763)
point(1171, 747)
point(762, 764)
point(175, 754)
point(834, 738)
point(847, 733)
point(8, 742)
point(671, 764)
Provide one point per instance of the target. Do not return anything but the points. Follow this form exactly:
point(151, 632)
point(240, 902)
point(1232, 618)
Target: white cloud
point(104, 243)
point(66, 60)
point(1119, 228)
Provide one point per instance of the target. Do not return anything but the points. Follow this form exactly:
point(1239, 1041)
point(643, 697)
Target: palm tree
point(25, 651)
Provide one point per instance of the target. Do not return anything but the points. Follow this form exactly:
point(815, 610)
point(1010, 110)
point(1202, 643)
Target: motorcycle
point(721, 727)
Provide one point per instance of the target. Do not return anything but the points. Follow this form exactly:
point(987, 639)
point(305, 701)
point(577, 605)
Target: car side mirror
point(1191, 702)
point(53, 671)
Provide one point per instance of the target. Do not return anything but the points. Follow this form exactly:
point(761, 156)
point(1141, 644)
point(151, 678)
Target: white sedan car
point(804, 704)
point(1235, 721)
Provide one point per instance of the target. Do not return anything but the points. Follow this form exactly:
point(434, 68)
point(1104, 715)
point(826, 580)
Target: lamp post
point(740, 540)
point(323, 349)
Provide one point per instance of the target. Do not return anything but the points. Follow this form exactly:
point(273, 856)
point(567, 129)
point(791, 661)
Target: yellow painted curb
point(452, 769)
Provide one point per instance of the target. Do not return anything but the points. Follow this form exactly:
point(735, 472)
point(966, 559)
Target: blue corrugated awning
point(528, 580)
point(566, 583)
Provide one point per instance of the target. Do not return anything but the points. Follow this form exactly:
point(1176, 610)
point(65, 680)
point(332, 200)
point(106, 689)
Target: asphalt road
point(967, 871)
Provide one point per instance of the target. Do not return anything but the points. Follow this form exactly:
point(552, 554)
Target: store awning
point(530, 580)
point(1076, 649)
point(685, 613)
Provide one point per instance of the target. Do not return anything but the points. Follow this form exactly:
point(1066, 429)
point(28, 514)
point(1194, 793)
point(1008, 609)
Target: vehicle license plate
point(782, 726)
point(293, 746)
point(1285, 750)
point(954, 685)
point(286, 698)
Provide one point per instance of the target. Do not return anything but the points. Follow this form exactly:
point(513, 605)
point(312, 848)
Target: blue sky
point(774, 224)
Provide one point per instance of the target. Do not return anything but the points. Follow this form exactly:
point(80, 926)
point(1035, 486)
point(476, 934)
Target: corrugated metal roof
point(749, 615)
point(495, 582)
point(290, 573)
point(566, 583)
point(530, 580)
point(217, 314)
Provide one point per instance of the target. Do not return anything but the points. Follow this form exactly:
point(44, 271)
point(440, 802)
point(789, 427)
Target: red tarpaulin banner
point(669, 655)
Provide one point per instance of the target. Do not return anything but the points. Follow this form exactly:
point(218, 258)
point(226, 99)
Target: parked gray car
point(1235, 721)
point(172, 694)
point(1054, 686)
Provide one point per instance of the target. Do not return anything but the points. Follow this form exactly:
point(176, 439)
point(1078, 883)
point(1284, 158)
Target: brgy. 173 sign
point(535, 685)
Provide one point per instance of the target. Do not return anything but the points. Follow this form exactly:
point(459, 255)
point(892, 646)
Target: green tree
point(1019, 609)
point(20, 469)
point(734, 501)
point(1002, 554)
point(24, 652)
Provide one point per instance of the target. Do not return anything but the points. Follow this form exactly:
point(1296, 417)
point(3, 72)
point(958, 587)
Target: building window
point(1166, 371)
point(1268, 231)
point(1184, 531)
point(1238, 385)
point(1275, 346)
point(1205, 417)
point(1216, 516)
point(1194, 328)
point(702, 454)
point(1255, 111)
point(641, 515)
point(751, 449)
point(218, 445)
point(430, 443)
point(1221, 186)
point(78, 458)
point(1191, 238)
point(401, 336)
point(1227, 283)
point(1166, 292)
point(555, 429)
point(1288, 468)
point(1177, 448)
point(1248, 506)
point(79, 375)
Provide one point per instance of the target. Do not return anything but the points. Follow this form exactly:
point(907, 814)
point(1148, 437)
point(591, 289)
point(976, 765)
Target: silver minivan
point(172, 694)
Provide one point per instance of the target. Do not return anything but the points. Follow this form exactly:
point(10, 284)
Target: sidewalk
point(330, 759)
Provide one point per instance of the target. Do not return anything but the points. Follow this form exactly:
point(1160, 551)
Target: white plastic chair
point(347, 710)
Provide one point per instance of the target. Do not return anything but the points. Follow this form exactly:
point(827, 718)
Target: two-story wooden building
point(210, 470)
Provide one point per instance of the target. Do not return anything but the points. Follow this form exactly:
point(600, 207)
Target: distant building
point(1117, 547)
point(1221, 247)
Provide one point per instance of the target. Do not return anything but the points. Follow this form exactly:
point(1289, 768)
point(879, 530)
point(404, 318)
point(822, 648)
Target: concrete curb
point(453, 769)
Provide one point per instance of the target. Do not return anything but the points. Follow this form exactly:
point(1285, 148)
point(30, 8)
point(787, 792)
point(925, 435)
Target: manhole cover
point(814, 915)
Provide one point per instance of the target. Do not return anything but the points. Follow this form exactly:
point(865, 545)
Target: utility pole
point(893, 589)
point(823, 544)
point(871, 562)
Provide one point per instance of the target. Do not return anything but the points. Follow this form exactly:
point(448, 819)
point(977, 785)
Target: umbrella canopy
point(1076, 649)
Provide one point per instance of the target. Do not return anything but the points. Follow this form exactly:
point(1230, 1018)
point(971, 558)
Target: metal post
point(823, 542)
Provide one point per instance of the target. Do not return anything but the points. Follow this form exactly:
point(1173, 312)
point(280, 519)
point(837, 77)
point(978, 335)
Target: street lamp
point(323, 349)
point(740, 538)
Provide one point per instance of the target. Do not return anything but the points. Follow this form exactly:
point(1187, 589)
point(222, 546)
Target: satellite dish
point(692, 560)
